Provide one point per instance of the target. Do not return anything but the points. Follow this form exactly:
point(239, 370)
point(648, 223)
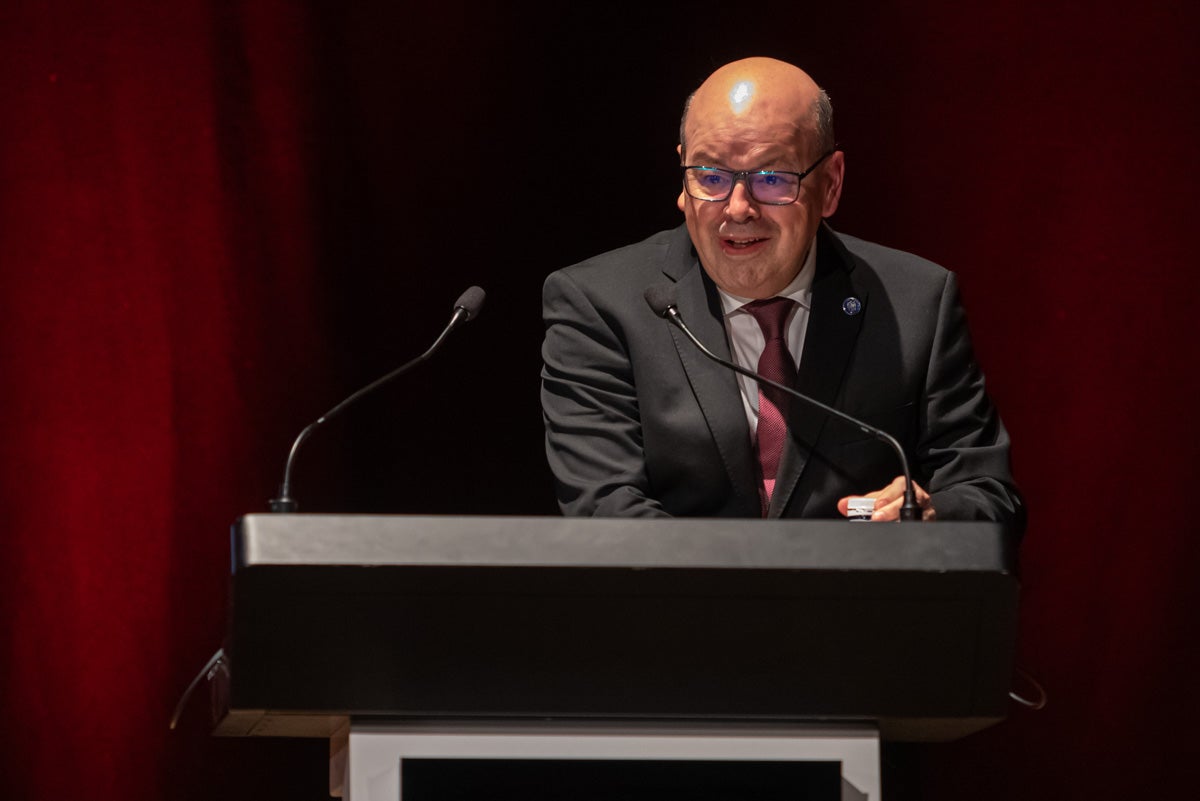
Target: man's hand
point(889, 500)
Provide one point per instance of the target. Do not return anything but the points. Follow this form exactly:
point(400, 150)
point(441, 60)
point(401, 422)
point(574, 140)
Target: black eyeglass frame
point(744, 176)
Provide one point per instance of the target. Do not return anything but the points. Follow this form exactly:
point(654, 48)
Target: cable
point(1041, 699)
point(216, 662)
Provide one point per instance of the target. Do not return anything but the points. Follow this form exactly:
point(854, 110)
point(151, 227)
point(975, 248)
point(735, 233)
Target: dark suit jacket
point(639, 422)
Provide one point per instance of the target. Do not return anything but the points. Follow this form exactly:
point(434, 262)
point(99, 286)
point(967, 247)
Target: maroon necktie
point(776, 364)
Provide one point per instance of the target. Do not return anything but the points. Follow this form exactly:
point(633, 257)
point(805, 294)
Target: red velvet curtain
point(155, 236)
point(218, 219)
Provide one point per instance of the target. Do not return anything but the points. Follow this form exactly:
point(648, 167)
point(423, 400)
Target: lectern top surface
point(502, 541)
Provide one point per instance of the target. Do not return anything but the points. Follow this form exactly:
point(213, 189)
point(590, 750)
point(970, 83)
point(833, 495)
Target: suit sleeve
point(589, 403)
point(964, 449)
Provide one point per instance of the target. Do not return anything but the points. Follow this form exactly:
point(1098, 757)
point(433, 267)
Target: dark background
point(219, 219)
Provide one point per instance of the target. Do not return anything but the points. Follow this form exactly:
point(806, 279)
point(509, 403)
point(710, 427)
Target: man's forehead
point(755, 159)
point(734, 137)
point(745, 106)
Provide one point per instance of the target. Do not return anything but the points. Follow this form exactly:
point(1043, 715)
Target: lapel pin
point(852, 306)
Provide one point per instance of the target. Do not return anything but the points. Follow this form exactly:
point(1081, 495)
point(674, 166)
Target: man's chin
point(737, 280)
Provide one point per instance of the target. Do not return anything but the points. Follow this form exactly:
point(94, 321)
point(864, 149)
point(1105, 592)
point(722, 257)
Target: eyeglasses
point(770, 187)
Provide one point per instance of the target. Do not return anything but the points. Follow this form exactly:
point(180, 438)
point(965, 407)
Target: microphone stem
point(909, 510)
point(285, 503)
point(454, 321)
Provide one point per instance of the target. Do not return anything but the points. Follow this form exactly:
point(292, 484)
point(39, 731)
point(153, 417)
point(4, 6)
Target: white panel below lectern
point(367, 765)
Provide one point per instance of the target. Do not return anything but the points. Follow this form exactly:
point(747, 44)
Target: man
point(639, 422)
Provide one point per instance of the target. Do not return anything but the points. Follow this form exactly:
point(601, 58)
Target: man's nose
point(741, 205)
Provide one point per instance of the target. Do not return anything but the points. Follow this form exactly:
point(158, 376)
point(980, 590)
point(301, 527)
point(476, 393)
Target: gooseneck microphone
point(661, 299)
point(466, 308)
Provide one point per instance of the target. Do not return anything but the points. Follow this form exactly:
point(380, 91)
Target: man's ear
point(679, 201)
point(834, 171)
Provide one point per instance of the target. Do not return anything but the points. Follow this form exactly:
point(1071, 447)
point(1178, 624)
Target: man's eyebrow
point(701, 157)
point(767, 162)
point(716, 165)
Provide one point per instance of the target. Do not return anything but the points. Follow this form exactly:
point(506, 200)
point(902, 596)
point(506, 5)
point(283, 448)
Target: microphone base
point(283, 505)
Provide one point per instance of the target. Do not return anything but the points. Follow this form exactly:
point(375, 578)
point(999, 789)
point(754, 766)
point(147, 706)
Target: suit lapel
point(828, 343)
point(715, 387)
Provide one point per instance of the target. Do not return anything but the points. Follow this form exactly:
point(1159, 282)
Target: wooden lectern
point(408, 640)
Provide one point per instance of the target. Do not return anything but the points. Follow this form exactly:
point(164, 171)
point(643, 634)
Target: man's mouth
point(741, 242)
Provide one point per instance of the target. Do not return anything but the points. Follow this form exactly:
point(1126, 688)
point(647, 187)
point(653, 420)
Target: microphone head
point(471, 302)
point(660, 297)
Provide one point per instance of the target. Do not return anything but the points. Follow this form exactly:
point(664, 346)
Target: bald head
point(761, 87)
point(754, 123)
